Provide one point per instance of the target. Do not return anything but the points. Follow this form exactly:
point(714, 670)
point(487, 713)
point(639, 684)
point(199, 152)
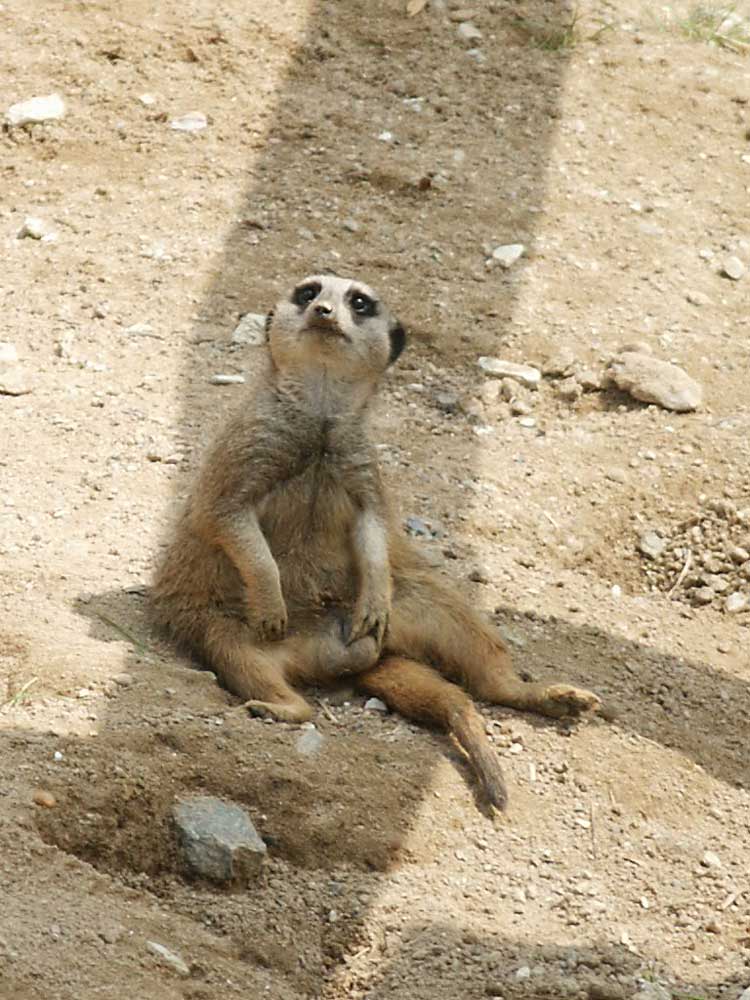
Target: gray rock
point(251, 330)
point(448, 402)
point(509, 369)
point(170, 958)
point(310, 742)
point(569, 389)
point(375, 705)
point(651, 544)
point(193, 121)
point(417, 527)
point(733, 268)
point(653, 381)
point(37, 109)
point(506, 256)
point(702, 595)
point(218, 840)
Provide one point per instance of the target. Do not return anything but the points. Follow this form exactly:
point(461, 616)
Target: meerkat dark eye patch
point(397, 335)
point(304, 294)
point(362, 304)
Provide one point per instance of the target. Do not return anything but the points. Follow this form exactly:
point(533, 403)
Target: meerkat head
point(334, 323)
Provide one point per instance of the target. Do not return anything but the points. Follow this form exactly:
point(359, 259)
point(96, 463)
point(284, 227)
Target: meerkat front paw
point(370, 617)
point(270, 623)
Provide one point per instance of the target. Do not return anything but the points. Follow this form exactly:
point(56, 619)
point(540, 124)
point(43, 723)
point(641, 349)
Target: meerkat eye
point(305, 294)
point(362, 304)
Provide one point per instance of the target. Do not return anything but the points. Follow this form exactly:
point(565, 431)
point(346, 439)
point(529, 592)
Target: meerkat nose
point(323, 309)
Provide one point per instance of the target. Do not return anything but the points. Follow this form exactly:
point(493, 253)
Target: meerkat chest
point(335, 476)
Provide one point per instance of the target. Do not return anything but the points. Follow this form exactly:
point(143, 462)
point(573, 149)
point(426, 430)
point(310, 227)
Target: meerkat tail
point(418, 692)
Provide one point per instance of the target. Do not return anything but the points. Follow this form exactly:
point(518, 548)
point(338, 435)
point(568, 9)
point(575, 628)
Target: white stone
point(37, 109)
point(507, 255)
point(733, 268)
point(375, 705)
point(169, 958)
point(34, 228)
point(8, 352)
point(509, 369)
point(193, 121)
point(469, 32)
point(251, 330)
point(227, 379)
point(735, 602)
point(147, 100)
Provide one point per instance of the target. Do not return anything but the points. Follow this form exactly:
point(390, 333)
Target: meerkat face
point(336, 323)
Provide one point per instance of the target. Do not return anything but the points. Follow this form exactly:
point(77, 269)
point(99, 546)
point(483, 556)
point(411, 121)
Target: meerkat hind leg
point(418, 692)
point(431, 622)
point(255, 673)
point(265, 674)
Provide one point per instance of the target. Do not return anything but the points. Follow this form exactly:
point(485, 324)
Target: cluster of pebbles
point(704, 560)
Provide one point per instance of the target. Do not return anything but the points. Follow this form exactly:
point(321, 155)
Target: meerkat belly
point(307, 523)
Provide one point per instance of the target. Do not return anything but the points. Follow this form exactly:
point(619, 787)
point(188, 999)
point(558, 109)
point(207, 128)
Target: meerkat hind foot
point(561, 700)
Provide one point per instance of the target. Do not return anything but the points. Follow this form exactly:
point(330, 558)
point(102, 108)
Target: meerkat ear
point(267, 324)
point(398, 342)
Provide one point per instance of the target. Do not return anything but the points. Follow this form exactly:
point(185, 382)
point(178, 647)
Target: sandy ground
point(616, 149)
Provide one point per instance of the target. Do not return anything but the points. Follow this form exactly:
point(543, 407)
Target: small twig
point(328, 713)
point(16, 698)
point(123, 632)
point(551, 520)
point(683, 573)
point(732, 43)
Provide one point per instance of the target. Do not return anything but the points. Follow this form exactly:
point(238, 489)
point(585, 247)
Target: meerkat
point(287, 567)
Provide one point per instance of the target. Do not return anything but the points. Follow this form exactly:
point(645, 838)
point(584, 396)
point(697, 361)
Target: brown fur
point(287, 569)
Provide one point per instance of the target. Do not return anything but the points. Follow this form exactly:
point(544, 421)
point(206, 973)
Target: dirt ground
point(611, 141)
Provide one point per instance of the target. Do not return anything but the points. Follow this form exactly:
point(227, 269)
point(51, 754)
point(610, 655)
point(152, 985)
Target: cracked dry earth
point(403, 149)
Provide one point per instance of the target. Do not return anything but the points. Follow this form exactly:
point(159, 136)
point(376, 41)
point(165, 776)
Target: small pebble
point(525, 374)
point(375, 705)
point(735, 602)
point(469, 32)
point(251, 330)
point(8, 352)
point(34, 228)
point(193, 121)
point(733, 268)
point(506, 256)
point(35, 110)
point(170, 958)
point(44, 798)
point(310, 742)
point(227, 379)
